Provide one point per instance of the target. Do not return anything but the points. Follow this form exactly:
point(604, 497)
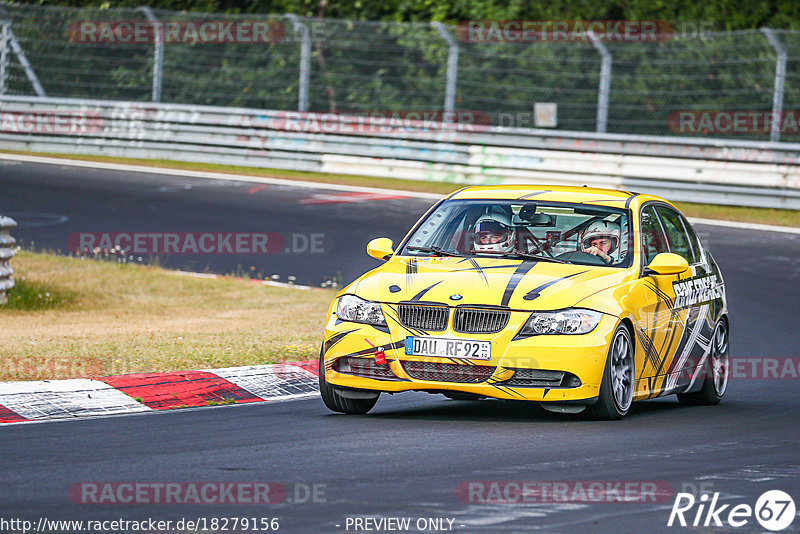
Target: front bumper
point(581, 359)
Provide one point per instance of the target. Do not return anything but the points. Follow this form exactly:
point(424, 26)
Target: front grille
point(448, 372)
point(541, 378)
point(479, 321)
point(423, 317)
point(365, 367)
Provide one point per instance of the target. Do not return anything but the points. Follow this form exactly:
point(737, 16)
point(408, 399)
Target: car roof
point(553, 193)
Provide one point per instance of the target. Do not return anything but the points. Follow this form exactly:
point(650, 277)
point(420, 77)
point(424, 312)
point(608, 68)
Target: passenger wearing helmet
point(601, 238)
point(494, 234)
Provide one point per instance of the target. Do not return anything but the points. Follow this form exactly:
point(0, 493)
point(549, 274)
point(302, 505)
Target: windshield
point(560, 232)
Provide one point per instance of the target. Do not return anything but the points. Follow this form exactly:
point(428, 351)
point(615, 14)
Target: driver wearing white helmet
point(493, 234)
point(601, 238)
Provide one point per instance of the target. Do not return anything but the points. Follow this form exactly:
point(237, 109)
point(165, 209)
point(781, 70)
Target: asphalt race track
point(324, 232)
point(410, 456)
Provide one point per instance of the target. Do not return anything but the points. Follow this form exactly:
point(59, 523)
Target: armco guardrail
point(7, 252)
point(724, 172)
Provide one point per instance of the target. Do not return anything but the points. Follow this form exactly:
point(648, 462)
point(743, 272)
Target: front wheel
point(336, 402)
point(616, 389)
point(714, 373)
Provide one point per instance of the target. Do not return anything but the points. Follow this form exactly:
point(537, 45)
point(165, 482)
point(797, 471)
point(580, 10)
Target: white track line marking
point(316, 185)
point(746, 226)
point(215, 175)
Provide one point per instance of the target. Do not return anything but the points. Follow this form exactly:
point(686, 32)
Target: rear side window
point(653, 240)
point(694, 241)
point(676, 234)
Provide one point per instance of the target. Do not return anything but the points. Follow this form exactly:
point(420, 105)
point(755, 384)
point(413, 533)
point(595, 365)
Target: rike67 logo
point(774, 510)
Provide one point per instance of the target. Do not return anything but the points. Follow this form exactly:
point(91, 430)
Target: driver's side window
point(653, 240)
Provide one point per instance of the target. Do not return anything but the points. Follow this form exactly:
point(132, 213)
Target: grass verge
point(70, 318)
point(706, 211)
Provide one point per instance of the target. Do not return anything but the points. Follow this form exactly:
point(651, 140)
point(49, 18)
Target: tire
point(715, 371)
point(336, 402)
point(613, 404)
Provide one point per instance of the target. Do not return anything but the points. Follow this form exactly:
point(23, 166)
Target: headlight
point(572, 321)
point(352, 308)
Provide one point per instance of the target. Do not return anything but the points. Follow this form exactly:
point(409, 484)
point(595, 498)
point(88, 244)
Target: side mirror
point(380, 248)
point(666, 263)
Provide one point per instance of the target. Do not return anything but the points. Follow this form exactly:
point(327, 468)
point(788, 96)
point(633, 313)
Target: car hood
point(518, 284)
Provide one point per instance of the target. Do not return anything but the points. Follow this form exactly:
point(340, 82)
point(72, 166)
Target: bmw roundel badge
point(456, 297)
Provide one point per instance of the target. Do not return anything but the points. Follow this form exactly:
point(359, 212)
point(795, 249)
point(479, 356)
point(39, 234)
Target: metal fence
point(7, 251)
point(330, 65)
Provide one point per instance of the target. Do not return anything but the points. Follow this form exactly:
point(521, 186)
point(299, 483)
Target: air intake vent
point(423, 317)
point(448, 372)
point(365, 367)
point(479, 321)
point(541, 378)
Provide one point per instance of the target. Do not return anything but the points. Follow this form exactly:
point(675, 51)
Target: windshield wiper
point(435, 250)
point(517, 254)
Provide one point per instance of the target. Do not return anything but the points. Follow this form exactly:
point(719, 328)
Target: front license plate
point(448, 348)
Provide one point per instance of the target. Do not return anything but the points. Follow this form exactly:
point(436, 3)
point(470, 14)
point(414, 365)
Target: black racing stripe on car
point(334, 339)
point(661, 294)
point(480, 271)
point(656, 357)
point(674, 321)
point(688, 332)
point(487, 267)
point(408, 329)
point(421, 294)
point(370, 350)
point(650, 386)
point(381, 328)
point(630, 198)
point(508, 391)
point(515, 279)
point(661, 383)
point(674, 318)
point(546, 391)
point(650, 353)
point(535, 292)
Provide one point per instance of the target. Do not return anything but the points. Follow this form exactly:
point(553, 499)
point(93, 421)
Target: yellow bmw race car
point(580, 299)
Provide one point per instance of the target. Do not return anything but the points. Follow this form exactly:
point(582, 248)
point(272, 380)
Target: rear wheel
point(714, 372)
point(336, 402)
point(616, 388)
